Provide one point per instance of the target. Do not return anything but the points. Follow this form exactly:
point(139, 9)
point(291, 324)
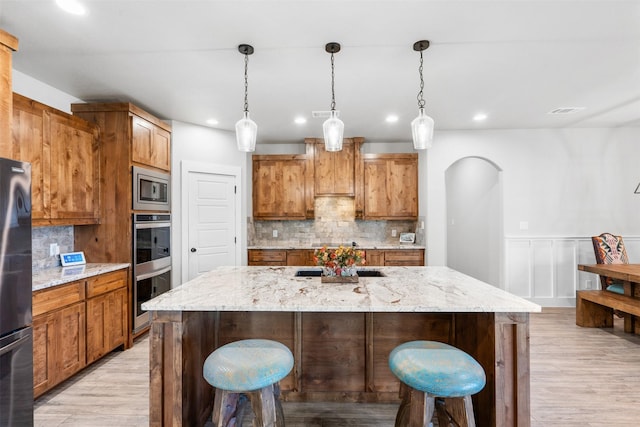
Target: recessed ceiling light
point(391, 118)
point(479, 117)
point(212, 122)
point(72, 6)
point(300, 120)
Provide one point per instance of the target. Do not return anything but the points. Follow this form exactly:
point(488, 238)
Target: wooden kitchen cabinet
point(8, 44)
point(279, 187)
point(65, 163)
point(334, 172)
point(77, 323)
point(390, 186)
point(274, 257)
point(394, 257)
point(374, 258)
point(150, 144)
point(281, 257)
point(301, 257)
point(107, 313)
point(59, 333)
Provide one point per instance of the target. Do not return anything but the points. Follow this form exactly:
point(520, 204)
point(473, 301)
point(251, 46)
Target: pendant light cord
point(246, 83)
point(333, 92)
point(421, 94)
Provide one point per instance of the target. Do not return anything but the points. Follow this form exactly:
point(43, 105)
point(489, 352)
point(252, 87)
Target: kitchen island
point(340, 335)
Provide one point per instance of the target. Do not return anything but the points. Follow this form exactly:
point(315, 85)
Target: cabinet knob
point(193, 249)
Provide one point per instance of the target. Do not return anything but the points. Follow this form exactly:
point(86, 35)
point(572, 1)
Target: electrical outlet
point(394, 233)
point(53, 249)
point(587, 284)
point(275, 233)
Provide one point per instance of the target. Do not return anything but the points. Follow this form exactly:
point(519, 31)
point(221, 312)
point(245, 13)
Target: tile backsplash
point(42, 237)
point(334, 223)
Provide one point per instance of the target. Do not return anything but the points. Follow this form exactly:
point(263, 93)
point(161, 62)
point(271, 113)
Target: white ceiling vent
point(323, 114)
point(566, 110)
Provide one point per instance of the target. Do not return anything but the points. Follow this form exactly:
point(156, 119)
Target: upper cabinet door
point(390, 186)
point(75, 168)
point(150, 144)
point(279, 186)
point(28, 145)
point(65, 163)
point(334, 172)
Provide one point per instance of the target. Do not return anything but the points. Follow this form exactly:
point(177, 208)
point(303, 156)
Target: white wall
point(41, 92)
point(213, 147)
point(566, 184)
point(474, 220)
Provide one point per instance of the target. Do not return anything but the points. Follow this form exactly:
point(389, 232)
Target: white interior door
point(212, 221)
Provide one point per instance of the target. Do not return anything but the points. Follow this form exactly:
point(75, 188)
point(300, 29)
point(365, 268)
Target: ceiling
point(513, 60)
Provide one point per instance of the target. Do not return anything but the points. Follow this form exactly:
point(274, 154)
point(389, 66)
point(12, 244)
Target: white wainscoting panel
point(545, 269)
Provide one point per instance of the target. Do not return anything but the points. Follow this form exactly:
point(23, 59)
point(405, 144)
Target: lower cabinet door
point(58, 346)
point(106, 323)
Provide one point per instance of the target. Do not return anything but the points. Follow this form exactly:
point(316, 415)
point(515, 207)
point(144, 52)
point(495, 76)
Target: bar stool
point(251, 368)
point(435, 374)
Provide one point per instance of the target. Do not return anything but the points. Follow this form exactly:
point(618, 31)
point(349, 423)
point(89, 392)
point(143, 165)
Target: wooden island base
point(338, 357)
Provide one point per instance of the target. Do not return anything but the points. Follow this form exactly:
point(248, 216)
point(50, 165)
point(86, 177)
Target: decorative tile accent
point(334, 223)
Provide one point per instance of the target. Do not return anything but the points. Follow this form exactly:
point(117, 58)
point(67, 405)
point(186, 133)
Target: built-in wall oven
point(152, 261)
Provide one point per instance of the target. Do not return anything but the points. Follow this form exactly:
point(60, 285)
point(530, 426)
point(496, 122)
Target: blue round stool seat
point(437, 368)
point(247, 365)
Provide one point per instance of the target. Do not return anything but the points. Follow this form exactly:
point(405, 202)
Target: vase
point(339, 275)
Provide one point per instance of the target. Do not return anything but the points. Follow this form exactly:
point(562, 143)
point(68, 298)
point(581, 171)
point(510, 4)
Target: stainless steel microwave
point(151, 190)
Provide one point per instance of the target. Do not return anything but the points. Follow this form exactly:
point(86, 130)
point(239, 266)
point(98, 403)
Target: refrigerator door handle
point(13, 345)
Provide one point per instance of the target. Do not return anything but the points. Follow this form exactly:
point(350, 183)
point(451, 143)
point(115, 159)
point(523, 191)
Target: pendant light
point(333, 127)
point(246, 129)
point(421, 126)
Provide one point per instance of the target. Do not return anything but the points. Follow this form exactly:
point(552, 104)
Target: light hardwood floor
point(579, 377)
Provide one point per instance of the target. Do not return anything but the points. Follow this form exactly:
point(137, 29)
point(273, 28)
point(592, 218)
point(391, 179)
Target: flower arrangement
point(338, 262)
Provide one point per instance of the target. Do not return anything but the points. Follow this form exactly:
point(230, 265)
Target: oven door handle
point(141, 225)
point(153, 273)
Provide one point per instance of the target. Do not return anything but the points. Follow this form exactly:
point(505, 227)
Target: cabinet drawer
point(268, 256)
point(413, 257)
point(57, 297)
point(104, 283)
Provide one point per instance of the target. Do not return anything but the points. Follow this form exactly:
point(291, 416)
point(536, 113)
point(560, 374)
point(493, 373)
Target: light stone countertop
point(60, 275)
point(405, 289)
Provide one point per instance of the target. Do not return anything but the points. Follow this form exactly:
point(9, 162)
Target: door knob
point(193, 249)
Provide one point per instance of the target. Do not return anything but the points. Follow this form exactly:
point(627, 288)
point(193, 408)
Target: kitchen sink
point(307, 272)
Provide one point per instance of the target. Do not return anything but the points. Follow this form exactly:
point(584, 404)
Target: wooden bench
point(594, 309)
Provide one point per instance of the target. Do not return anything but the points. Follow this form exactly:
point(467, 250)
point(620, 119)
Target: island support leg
point(179, 343)
point(500, 343)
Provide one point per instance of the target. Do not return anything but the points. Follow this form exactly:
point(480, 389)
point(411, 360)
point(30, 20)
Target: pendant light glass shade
point(333, 130)
point(246, 132)
point(422, 131)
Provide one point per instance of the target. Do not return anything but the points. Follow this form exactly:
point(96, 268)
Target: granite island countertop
point(56, 276)
point(404, 289)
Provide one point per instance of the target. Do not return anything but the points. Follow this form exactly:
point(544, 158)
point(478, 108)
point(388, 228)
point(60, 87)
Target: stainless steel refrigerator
point(16, 338)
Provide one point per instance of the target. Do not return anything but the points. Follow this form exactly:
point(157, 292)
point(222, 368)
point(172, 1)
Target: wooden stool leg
point(224, 407)
point(459, 410)
point(441, 411)
point(416, 408)
point(263, 403)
